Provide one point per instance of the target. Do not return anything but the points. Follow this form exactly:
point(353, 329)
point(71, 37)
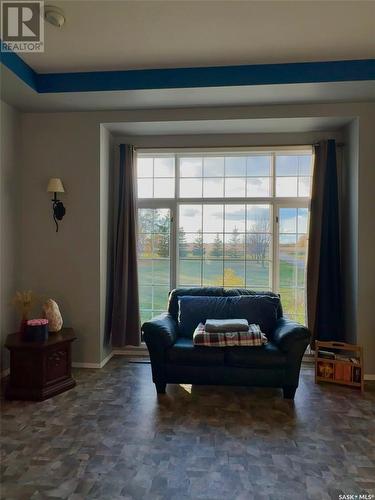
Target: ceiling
point(120, 35)
point(105, 35)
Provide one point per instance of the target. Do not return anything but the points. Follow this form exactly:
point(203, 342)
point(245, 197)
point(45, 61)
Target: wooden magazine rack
point(342, 368)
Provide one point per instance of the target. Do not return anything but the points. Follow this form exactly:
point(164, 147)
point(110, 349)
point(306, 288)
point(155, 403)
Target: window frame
point(275, 202)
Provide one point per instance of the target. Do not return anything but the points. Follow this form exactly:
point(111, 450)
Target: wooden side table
point(40, 370)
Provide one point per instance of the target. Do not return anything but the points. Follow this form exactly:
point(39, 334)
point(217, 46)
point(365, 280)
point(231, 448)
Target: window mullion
point(176, 225)
point(275, 215)
point(245, 236)
point(202, 239)
point(275, 247)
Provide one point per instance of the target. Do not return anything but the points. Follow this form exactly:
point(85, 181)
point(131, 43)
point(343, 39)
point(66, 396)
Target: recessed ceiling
point(119, 35)
point(247, 126)
point(18, 94)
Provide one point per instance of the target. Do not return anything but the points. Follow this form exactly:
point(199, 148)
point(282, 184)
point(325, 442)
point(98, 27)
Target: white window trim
point(307, 148)
point(275, 202)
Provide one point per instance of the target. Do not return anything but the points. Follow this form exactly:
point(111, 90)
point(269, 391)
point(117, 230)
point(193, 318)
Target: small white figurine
point(52, 313)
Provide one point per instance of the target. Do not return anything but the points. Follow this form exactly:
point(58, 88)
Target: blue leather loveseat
point(176, 360)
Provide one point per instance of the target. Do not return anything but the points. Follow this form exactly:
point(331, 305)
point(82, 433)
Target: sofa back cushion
point(212, 291)
point(259, 309)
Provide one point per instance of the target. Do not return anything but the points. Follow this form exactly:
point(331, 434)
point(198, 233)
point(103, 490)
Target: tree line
point(257, 240)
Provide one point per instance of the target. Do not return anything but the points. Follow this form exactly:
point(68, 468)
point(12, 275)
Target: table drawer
point(57, 364)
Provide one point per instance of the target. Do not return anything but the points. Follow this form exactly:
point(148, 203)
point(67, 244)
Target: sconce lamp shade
point(55, 186)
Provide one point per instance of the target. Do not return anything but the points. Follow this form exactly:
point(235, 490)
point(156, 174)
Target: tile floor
point(112, 437)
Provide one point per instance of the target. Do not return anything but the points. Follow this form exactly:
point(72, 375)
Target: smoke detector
point(54, 16)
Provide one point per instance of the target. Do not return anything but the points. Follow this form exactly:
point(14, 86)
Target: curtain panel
point(125, 303)
point(324, 290)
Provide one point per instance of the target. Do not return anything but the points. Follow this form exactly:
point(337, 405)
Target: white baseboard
point(142, 351)
point(105, 360)
point(93, 365)
point(132, 351)
point(76, 364)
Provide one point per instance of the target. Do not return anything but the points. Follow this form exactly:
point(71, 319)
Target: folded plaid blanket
point(253, 337)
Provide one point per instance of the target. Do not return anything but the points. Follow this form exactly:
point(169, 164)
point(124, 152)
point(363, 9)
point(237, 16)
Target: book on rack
point(347, 373)
point(339, 371)
point(326, 354)
point(339, 357)
point(343, 372)
point(347, 359)
point(355, 361)
point(357, 374)
point(325, 369)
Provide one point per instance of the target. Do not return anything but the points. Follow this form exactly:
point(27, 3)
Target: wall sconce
point(56, 186)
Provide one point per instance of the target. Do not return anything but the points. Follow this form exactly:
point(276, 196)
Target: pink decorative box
point(36, 330)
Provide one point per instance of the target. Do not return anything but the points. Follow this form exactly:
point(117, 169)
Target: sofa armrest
point(160, 332)
point(289, 334)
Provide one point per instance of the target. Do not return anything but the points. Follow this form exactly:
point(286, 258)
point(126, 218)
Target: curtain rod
point(228, 148)
point(274, 146)
point(239, 147)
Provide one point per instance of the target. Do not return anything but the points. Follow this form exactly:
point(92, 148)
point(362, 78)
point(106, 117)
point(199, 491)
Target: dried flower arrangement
point(24, 302)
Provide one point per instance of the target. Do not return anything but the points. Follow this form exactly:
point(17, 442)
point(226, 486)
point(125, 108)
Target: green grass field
point(256, 276)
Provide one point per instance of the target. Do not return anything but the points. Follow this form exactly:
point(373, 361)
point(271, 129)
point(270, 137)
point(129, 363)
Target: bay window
point(223, 218)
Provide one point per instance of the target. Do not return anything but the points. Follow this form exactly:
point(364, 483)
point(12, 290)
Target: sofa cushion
point(184, 352)
point(267, 356)
point(195, 310)
point(177, 293)
point(258, 309)
point(230, 292)
point(212, 291)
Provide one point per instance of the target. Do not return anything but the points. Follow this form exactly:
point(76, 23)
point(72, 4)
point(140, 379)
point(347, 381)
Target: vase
point(23, 326)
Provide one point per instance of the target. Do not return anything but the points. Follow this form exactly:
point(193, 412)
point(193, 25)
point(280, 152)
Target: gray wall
point(366, 238)
point(70, 265)
point(349, 228)
point(9, 219)
point(65, 265)
point(106, 238)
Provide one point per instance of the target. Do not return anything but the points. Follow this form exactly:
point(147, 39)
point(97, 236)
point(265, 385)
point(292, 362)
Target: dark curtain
point(125, 303)
point(324, 292)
